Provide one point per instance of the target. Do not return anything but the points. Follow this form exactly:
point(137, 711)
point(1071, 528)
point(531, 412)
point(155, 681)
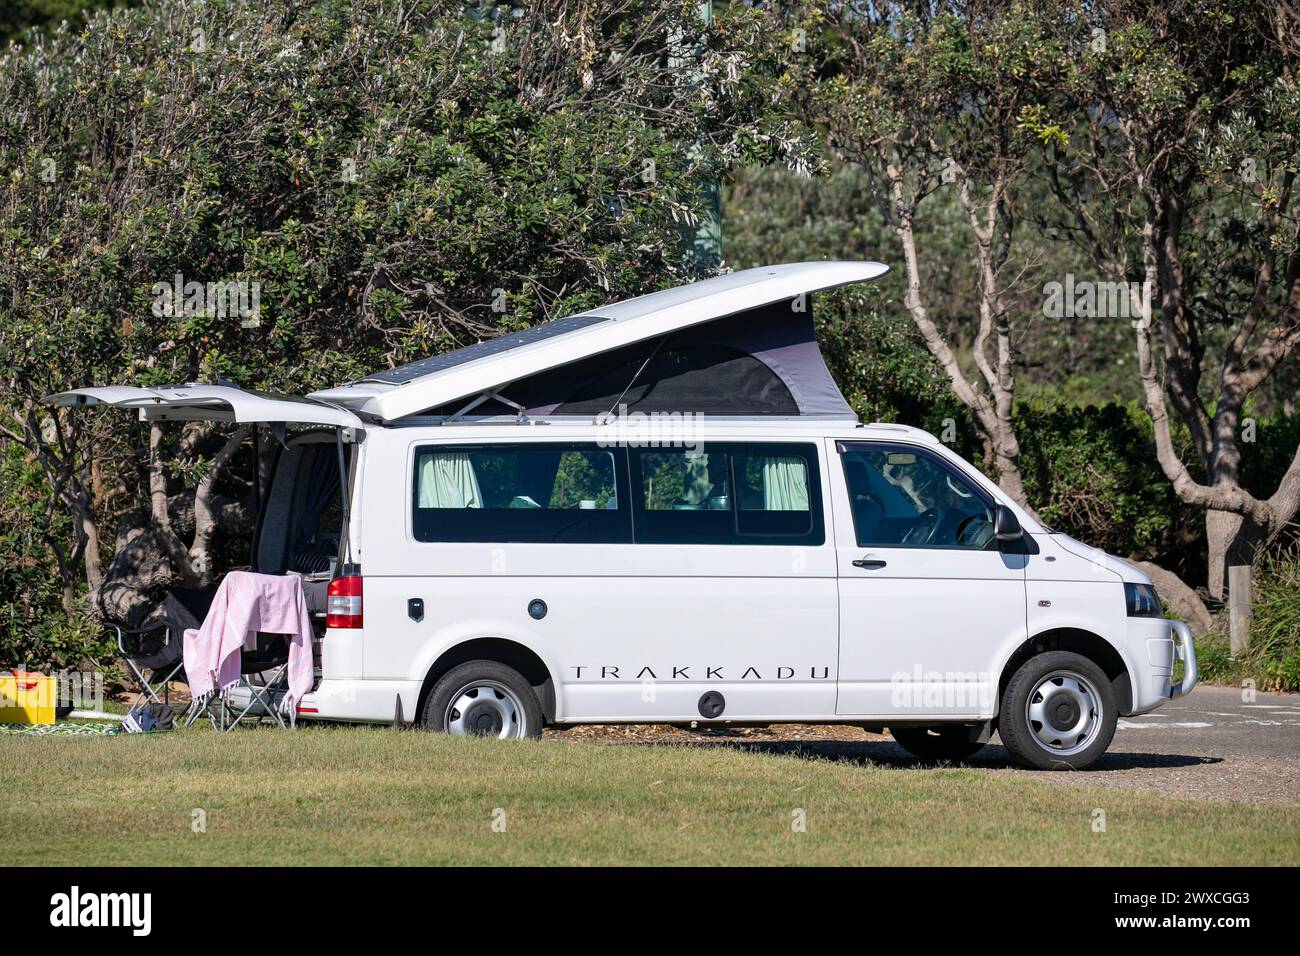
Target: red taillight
point(343, 603)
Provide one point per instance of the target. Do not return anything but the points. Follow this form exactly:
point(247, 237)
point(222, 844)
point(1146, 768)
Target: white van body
point(638, 632)
point(845, 595)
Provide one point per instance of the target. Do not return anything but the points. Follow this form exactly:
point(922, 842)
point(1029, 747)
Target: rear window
point(519, 493)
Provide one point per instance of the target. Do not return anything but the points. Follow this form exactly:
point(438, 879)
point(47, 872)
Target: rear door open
point(212, 403)
point(225, 403)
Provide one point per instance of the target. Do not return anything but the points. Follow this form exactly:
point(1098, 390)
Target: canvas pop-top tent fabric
point(739, 344)
point(761, 362)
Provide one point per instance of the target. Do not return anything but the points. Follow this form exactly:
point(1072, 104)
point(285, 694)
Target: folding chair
point(153, 650)
point(156, 645)
point(259, 692)
point(263, 622)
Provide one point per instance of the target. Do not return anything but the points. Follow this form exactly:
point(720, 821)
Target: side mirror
point(1006, 526)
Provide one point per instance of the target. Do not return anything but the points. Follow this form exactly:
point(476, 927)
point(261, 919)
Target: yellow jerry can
point(27, 698)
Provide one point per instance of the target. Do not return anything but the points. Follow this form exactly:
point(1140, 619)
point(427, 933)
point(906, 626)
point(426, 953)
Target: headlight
point(1142, 601)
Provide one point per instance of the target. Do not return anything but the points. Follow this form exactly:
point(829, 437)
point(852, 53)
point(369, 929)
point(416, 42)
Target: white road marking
point(1129, 725)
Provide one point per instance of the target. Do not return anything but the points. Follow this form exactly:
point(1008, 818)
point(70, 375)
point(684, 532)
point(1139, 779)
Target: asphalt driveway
point(1218, 743)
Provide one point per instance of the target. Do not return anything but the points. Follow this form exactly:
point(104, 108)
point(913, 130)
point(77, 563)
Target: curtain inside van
point(785, 484)
point(447, 480)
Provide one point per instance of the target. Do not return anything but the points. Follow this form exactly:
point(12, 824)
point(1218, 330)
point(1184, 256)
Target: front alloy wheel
point(1064, 712)
point(1058, 712)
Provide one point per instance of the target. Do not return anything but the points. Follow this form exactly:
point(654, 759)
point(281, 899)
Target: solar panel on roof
point(502, 343)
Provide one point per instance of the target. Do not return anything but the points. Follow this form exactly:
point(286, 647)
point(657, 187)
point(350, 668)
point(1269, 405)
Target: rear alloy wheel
point(483, 699)
point(941, 742)
point(1058, 712)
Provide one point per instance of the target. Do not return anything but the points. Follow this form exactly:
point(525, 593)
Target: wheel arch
point(1084, 643)
point(504, 651)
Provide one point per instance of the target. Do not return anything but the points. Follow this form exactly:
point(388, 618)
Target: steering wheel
point(982, 534)
point(923, 529)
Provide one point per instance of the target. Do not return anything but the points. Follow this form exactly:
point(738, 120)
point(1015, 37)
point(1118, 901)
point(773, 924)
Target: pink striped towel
point(244, 604)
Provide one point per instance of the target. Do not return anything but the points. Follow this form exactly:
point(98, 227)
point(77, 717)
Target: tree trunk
point(1009, 480)
point(68, 598)
point(1220, 528)
point(991, 415)
point(136, 577)
point(142, 568)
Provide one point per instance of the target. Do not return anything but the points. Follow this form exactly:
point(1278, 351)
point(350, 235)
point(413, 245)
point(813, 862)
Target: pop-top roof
point(495, 364)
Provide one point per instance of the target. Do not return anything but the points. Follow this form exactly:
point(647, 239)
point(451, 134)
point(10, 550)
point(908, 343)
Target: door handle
point(869, 564)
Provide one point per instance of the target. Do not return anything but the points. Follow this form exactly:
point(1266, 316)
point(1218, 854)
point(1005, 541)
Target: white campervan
point(663, 510)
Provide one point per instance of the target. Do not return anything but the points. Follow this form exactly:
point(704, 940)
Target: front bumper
point(1185, 651)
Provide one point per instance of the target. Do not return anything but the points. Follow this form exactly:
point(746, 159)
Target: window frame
point(622, 488)
point(843, 447)
point(815, 536)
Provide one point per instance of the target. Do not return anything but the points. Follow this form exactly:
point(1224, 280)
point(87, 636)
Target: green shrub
point(56, 640)
point(1091, 472)
point(1273, 658)
point(35, 629)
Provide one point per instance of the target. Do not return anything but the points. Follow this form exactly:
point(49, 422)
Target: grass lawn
point(374, 796)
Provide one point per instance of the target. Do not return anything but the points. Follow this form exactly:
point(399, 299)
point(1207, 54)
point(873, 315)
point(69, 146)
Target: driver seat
point(867, 512)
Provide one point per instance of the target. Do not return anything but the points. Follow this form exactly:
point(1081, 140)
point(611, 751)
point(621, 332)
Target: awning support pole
point(522, 413)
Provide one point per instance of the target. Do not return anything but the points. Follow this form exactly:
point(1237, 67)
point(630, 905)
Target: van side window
point(903, 497)
point(774, 495)
point(728, 493)
point(518, 493)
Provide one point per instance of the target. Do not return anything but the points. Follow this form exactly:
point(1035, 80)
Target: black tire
point(491, 719)
point(1023, 736)
point(940, 742)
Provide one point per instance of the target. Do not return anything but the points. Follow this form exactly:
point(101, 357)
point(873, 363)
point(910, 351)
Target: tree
point(394, 179)
point(931, 100)
point(19, 15)
point(1173, 154)
point(880, 363)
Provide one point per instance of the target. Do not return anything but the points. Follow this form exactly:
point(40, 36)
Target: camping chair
point(259, 692)
point(257, 624)
point(156, 645)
